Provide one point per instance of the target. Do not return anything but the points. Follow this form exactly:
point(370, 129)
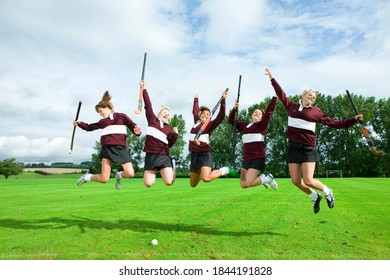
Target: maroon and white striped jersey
point(113, 128)
point(253, 133)
point(302, 122)
point(205, 136)
point(159, 135)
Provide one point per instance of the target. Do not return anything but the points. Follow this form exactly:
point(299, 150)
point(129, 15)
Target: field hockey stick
point(74, 128)
point(365, 131)
point(207, 122)
point(139, 109)
point(238, 101)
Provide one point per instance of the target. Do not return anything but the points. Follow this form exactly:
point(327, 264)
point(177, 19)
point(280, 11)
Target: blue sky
point(55, 53)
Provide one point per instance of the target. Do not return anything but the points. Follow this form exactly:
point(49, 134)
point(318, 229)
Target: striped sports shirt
point(205, 136)
point(253, 134)
point(159, 136)
point(113, 128)
point(302, 123)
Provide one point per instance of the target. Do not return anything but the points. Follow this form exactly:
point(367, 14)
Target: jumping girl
point(201, 158)
point(253, 135)
point(113, 141)
point(302, 146)
point(159, 138)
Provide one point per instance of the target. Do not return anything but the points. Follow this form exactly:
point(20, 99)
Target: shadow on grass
point(132, 225)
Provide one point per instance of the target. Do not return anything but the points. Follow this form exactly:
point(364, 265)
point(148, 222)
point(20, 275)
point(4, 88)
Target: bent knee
point(308, 183)
point(105, 180)
point(206, 179)
point(297, 182)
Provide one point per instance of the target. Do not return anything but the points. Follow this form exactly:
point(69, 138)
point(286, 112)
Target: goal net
point(334, 173)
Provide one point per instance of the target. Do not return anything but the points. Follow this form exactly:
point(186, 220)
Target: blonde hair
point(307, 91)
point(105, 102)
point(163, 107)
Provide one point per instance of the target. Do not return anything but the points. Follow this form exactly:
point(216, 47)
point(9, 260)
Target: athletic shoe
point(272, 182)
point(316, 203)
point(330, 199)
point(118, 181)
point(81, 180)
point(232, 172)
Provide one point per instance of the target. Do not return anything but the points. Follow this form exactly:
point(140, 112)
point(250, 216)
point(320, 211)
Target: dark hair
point(257, 109)
point(203, 108)
point(105, 102)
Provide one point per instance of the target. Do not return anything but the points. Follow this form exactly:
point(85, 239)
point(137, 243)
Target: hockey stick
point(206, 123)
point(139, 109)
point(238, 101)
point(365, 131)
point(74, 128)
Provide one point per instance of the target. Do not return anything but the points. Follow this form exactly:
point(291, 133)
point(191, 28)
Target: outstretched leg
point(106, 171)
point(101, 178)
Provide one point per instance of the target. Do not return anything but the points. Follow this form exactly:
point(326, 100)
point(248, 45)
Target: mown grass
point(50, 217)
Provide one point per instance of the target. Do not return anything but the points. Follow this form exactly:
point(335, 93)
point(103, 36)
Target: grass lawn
point(50, 217)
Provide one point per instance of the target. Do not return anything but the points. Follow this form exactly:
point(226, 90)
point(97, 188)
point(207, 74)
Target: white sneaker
point(118, 181)
point(266, 185)
point(272, 183)
point(81, 180)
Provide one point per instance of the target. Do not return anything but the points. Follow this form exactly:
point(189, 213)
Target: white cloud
point(38, 149)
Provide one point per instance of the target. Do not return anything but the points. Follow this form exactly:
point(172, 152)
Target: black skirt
point(258, 164)
point(201, 159)
point(299, 153)
point(117, 154)
point(157, 161)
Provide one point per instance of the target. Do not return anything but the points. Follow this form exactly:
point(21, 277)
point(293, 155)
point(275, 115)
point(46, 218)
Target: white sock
point(326, 191)
point(87, 177)
point(264, 179)
point(313, 196)
point(224, 170)
point(119, 174)
point(174, 164)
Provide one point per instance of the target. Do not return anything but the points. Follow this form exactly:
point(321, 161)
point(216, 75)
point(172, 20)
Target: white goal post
point(334, 173)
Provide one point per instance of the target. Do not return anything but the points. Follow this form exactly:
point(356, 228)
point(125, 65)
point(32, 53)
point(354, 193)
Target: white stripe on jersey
point(302, 124)
point(205, 138)
point(158, 134)
point(114, 129)
point(252, 137)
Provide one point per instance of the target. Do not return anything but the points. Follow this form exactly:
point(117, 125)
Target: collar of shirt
point(251, 123)
point(161, 123)
point(301, 106)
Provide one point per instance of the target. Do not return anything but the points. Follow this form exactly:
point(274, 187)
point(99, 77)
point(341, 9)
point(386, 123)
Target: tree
point(9, 167)
point(135, 146)
point(177, 149)
point(224, 145)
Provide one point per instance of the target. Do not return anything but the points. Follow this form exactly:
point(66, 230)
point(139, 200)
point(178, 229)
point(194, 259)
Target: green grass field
point(50, 217)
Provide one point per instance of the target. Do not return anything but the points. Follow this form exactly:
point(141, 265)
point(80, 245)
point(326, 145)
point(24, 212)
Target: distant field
point(50, 217)
point(55, 170)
